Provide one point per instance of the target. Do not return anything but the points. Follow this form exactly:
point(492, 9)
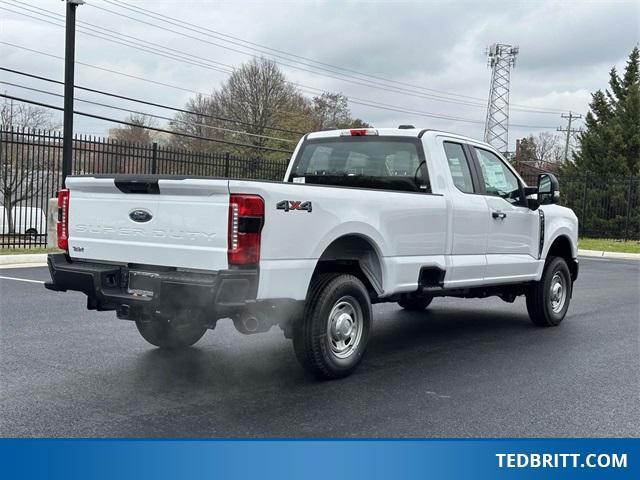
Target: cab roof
point(387, 132)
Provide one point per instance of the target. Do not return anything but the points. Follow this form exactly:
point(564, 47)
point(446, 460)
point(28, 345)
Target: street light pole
point(69, 63)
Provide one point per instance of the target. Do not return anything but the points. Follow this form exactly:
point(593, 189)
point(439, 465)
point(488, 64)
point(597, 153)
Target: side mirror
point(548, 189)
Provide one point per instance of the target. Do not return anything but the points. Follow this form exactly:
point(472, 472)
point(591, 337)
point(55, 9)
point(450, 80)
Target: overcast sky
point(566, 50)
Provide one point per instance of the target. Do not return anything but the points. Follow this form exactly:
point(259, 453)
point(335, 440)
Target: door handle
point(498, 214)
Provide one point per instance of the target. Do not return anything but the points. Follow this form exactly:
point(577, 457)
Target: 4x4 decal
point(288, 205)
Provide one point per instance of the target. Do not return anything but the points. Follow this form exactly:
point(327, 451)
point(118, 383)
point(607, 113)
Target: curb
point(602, 254)
point(24, 259)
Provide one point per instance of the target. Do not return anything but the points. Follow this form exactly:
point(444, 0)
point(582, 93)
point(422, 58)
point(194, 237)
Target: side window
point(498, 179)
point(458, 166)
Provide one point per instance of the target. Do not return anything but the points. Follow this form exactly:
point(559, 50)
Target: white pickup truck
point(362, 216)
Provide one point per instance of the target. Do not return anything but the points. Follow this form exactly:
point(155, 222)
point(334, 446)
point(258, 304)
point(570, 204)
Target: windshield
point(378, 162)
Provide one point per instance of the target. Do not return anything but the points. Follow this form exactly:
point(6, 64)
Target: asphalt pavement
point(463, 368)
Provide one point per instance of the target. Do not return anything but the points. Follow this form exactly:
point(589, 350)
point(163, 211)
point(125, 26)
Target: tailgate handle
point(138, 186)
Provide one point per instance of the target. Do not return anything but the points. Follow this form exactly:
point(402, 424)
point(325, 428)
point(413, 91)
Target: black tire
point(171, 336)
point(32, 233)
point(317, 336)
point(541, 298)
point(415, 304)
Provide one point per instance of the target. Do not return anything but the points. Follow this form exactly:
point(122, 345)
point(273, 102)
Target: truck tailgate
point(178, 223)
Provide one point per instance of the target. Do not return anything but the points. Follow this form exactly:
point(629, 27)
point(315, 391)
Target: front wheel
point(170, 335)
point(331, 338)
point(548, 299)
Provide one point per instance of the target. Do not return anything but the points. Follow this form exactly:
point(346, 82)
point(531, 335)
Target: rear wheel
point(548, 299)
point(170, 335)
point(331, 338)
point(416, 303)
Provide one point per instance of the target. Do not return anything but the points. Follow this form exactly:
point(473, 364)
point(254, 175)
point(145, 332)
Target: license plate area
point(142, 284)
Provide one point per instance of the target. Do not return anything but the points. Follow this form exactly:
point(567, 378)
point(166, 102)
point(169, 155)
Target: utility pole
point(69, 64)
point(496, 130)
point(569, 131)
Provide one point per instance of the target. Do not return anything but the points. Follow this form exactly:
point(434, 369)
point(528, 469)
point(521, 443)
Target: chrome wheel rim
point(557, 292)
point(344, 327)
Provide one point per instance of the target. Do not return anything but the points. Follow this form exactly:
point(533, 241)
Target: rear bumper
point(107, 287)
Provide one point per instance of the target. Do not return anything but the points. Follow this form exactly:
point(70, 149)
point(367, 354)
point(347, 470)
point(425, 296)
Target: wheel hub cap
point(557, 292)
point(344, 327)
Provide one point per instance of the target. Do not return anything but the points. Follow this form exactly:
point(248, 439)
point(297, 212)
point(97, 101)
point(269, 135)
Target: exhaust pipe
point(252, 322)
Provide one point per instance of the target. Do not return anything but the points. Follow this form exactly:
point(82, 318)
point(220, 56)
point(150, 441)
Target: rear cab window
point(385, 163)
point(459, 166)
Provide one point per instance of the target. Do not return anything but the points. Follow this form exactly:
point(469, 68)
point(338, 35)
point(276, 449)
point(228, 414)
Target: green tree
point(610, 143)
point(601, 182)
point(331, 110)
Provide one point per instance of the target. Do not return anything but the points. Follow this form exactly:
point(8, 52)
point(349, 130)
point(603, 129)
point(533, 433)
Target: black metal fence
point(31, 162)
point(606, 206)
point(31, 167)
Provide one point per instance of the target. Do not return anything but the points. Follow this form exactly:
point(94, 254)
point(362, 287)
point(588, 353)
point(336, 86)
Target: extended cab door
point(469, 212)
point(513, 233)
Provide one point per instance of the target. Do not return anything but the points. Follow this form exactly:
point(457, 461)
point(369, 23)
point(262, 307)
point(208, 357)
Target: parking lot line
point(21, 279)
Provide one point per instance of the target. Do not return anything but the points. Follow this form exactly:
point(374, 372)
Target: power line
point(185, 57)
point(215, 34)
point(131, 124)
point(354, 100)
point(160, 117)
point(146, 102)
point(243, 43)
point(104, 69)
point(355, 80)
point(127, 43)
point(363, 102)
point(179, 55)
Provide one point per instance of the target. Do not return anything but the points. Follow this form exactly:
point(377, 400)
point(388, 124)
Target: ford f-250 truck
point(363, 216)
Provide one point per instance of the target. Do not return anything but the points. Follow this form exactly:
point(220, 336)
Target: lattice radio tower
point(501, 58)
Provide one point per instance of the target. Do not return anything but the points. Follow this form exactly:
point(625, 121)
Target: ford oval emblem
point(140, 215)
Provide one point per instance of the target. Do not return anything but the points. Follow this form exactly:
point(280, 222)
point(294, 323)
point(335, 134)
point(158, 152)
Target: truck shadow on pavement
point(408, 338)
point(256, 387)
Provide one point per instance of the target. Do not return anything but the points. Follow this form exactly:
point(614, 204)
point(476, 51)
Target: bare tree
point(128, 144)
point(258, 95)
point(19, 180)
point(21, 116)
point(204, 122)
point(137, 131)
point(541, 150)
point(258, 106)
point(252, 102)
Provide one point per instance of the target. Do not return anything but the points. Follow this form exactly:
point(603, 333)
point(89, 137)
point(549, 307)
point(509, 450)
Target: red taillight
point(359, 132)
point(63, 219)
point(246, 217)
